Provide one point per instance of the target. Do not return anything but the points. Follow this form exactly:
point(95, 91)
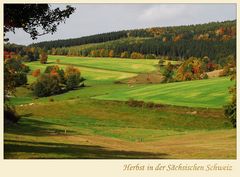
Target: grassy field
point(211, 93)
point(96, 122)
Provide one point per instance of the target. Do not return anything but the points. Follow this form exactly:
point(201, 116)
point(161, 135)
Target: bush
point(161, 62)
point(15, 72)
point(124, 54)
point(168, 73)
point(134, 103)
point(150, 56)
point(51, 68)
point(25, 68)
point(47, 85)
point(36, 73)
point(72, 81)
point(43, 57)
point(230, 113)
point(20, 78)
point(72, 77)
point(136, 55)
point(191, 69)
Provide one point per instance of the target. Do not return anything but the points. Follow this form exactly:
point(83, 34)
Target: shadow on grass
point(33, 127)
point(71, 151)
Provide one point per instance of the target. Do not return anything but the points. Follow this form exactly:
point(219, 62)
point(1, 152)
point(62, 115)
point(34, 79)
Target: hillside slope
point(216, 40)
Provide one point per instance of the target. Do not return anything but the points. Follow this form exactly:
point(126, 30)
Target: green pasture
point(111, 64)
point(210, 93)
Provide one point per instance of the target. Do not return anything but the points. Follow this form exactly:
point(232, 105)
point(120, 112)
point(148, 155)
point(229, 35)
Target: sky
point(89, 19)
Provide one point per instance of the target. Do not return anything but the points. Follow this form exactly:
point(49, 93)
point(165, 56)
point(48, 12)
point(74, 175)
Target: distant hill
point(215, 40)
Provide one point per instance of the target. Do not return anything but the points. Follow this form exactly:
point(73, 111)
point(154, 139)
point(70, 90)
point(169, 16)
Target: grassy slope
point(102, 129)
point(211, 93)
point(112, 64)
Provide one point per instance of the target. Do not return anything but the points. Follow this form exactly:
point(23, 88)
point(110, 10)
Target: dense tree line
point(83, 40)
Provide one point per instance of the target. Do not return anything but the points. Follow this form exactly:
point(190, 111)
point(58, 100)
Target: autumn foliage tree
point(47, 85)
point(191, 69)
point(111, 53)
point(72, 77)
point(136, 55)
point(36, 73)
point(43, 57)
point(124, 54)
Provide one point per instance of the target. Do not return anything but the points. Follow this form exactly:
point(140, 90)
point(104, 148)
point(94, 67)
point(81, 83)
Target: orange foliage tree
point(36, 73)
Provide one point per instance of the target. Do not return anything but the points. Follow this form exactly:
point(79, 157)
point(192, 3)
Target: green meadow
point(96, 121)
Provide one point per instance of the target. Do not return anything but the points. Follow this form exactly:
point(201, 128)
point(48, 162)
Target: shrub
point(150, 56)
point(168, 73)
point(25, 68)
point(111, 53)
point(36, 73)
point(136, 55)
point(231, 108)
point(191, 69)
point(72, 81)
point(47, 85)
point(56, 71)
point(124, 54)
point(72, 77)
point(15, 73)
point(230, 113)
point(20, 78)
point(161, 62)
point(49, 69)
point(43, 57)
point(135, 103)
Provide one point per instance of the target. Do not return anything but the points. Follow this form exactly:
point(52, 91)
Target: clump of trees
point(191, 69)
point(55, 80)
point(26, 54)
